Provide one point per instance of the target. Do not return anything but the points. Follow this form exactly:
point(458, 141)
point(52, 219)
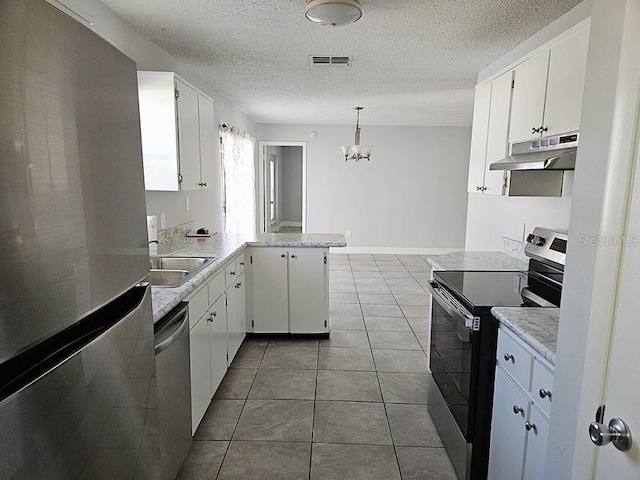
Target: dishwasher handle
point(180, 322)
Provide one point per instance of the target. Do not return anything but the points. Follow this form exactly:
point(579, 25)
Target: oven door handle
point(449, 305)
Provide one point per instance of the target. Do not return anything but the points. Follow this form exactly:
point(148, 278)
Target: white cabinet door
point(157, 103)
point(536, 446)
point(232, 323)
point(506, 455)
point(218, 342)
point(241, 302)
point(565, 85)
point(497, 136)
point(307, 291)
point(200, 358)
point(208, 138)
point(479, 133)
point(188, 136)
point(270, 292)
point(529, 94)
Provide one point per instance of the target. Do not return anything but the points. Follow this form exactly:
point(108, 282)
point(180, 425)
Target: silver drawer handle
point(530, 426)
point(544, 393)
point(517, 409)
point(509, 357)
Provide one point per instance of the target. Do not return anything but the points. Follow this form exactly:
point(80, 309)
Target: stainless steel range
point(464, 338)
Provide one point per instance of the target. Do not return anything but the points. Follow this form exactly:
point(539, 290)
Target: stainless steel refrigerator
point(77, 370)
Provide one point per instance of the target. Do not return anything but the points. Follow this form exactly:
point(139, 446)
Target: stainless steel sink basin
point(167, 278)
point(174, 271)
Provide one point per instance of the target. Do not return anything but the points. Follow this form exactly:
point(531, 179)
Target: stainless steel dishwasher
point(171, 338)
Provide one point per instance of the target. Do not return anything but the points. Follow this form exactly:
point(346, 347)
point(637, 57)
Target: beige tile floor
point(350, 407)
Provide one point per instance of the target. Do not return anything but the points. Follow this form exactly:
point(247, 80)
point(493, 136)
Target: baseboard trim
point(395, 250)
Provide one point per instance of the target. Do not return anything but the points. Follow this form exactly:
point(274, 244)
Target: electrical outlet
point(163, 221)
point(348, 234)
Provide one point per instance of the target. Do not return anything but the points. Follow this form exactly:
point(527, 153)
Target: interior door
point(622, 384)
point(622, 387)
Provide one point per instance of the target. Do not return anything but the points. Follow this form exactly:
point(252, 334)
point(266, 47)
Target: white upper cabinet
point(178, 133)
point(479, 132)
point(528, 97)
point(565, 85)
point(547, 96)
point(489, 134)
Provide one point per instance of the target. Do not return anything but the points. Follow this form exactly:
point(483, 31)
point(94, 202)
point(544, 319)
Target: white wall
point(291, 169)
point(489, 218)
point(412, 194)
point(205, 205)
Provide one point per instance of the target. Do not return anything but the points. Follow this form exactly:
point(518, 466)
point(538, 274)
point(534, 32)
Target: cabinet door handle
point(293, 256)
point(283, 255)
point(544, 129)
point(517, 409)
point(535, 130)
point(508, 357)
point(544, 393)
point(242, 264)
point(232, 273)
point(238, 285)
point(530, 426)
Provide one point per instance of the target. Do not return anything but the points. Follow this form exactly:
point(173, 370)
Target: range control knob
point(539, 241)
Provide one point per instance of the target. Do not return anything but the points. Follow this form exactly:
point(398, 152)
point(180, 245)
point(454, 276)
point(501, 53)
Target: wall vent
point(316, 60)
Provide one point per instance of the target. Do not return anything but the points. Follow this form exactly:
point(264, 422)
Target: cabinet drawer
point(231, 272)
point(216, 286)
point(198, 304)
point(514, 359)
point(541, 386)
point(240, 264)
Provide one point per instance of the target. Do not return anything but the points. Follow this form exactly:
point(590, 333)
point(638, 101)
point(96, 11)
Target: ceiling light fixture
point(333, 13)
point(357, 152)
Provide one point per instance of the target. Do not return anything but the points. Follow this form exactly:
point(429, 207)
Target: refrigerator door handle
point(181, 320)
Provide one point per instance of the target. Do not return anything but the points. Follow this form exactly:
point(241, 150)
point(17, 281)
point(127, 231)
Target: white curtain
point(237, 150)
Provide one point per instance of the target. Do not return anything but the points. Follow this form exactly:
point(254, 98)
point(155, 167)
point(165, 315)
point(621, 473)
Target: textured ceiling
point(415, 62)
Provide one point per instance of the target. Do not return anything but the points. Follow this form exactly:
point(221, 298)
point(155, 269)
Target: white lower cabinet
point(510, 409)
point(520, 421)
point(218, 342)
point(290, 290)
point(200, 358)
point(536, 446)
point(216, 332)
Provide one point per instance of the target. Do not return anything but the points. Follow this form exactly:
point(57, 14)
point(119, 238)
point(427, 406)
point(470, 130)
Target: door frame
point(262, 178)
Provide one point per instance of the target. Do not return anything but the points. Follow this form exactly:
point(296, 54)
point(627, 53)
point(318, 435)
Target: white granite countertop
point(465, 260)
point(224, 247)
point(537, 327)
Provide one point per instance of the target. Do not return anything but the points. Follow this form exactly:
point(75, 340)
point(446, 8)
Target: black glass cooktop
point(491, 289)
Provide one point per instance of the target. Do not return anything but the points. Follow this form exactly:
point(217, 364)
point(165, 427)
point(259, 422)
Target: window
point(238, 181)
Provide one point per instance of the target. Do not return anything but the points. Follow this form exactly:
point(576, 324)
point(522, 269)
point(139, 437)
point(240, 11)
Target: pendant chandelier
point(356, 151)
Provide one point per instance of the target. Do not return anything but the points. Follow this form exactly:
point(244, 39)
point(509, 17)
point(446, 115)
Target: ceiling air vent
point(328, 60)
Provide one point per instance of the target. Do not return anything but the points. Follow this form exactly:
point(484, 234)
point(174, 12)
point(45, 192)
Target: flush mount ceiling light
point(357, 152)
point(333, 13)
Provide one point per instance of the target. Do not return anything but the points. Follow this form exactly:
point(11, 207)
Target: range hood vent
point(552, 153)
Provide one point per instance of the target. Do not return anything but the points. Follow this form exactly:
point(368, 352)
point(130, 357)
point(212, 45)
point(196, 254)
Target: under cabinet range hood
point(551, 153)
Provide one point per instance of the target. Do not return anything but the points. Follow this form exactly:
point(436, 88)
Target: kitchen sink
point(174, 271)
